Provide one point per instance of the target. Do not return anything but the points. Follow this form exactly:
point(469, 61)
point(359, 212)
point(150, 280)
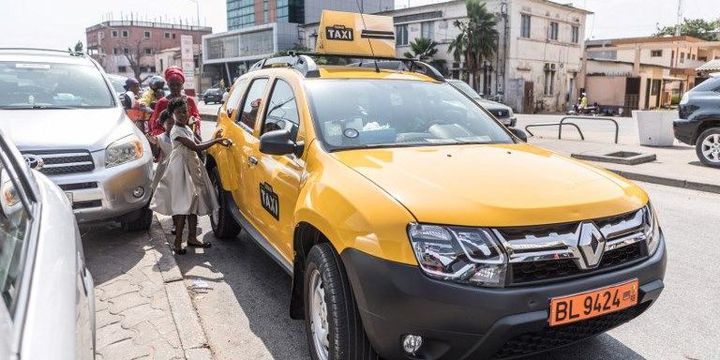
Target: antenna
point(362, 17)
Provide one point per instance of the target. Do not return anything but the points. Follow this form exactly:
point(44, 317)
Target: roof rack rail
point(69, 52)
point(304, 63)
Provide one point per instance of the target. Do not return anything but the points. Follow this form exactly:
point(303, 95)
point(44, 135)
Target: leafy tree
point(422, 49)
point(699, 28)
point(477, 39)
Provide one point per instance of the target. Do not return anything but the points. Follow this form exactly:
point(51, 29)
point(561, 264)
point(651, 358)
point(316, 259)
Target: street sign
point(188, 64)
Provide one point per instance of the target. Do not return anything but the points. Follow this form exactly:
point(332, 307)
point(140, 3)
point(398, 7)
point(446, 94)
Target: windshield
point(387, 113)
point(465, 88)
point(32, 85)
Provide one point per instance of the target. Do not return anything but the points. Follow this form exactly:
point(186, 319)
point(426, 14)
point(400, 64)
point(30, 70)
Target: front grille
point(545, 253)
point(86, 204)
point(550, 338)
point(59, 163)
point(540, 271)
point(498, 113)
point(79, 186)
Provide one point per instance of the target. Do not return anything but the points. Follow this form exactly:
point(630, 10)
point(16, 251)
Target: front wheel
point(707, 147)
point(332, 320)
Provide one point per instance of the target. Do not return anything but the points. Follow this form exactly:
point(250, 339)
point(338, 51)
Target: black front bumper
point(459, 322)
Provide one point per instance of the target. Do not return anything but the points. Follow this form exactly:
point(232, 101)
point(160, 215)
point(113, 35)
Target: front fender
point(227, 166)
point(352, 212)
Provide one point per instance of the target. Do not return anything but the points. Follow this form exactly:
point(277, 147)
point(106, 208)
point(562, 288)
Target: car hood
point(91, 129)
point(494, 185)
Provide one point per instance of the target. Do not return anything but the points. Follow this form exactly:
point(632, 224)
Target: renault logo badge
point(34, 161)
point(591, 245)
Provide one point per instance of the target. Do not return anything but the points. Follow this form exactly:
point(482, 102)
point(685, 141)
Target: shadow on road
point(110, 251)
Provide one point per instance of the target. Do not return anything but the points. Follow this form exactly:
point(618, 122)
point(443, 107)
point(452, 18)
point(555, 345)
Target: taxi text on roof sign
point(345, 33)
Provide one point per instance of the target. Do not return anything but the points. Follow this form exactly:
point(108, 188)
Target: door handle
point(252, 160)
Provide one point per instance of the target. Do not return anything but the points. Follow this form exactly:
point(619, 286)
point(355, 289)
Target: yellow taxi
point(413, 224)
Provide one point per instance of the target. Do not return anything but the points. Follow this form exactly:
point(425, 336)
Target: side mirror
point(278, 143)
point(518, 133)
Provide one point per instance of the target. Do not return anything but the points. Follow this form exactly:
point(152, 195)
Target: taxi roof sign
point(363, 35)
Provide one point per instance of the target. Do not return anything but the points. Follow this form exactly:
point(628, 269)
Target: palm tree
point(477, 39)
point(421, 49)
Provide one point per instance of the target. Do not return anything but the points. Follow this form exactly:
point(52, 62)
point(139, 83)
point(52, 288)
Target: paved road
point(242, 296)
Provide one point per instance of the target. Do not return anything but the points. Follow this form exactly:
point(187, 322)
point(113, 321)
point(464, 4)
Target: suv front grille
point(58, 163)
point(553, 337)
point(539, 254)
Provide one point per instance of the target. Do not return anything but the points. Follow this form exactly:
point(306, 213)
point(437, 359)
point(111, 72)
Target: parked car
point(213, 95)
point(47, 309)
point(61, 112)
point(502, 112)
point(415, 226)
point(699, 121)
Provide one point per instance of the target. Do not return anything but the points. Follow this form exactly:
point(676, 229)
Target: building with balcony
point(539, 52)
point(260, 28)
point(644, 72)
point(119, 46)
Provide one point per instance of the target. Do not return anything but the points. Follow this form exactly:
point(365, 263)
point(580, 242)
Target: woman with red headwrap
point(175, 79)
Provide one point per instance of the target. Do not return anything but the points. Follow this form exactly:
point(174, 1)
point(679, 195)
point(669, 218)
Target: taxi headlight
point(122, 151)
point(459, 254)
point(652, 229)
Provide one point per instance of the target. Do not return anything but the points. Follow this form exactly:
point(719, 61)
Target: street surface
point(242, 296)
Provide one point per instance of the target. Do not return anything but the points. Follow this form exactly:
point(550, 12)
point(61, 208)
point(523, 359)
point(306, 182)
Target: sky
point(61, 23)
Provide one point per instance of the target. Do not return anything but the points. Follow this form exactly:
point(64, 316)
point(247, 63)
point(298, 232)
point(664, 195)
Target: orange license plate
point(572, 308)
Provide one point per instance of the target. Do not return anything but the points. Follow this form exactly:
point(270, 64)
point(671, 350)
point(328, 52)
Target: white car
point(502, 112)
point(48, 304)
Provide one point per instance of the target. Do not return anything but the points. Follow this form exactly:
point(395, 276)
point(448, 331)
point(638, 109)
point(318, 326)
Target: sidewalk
point(676, 166)
point(142, 307)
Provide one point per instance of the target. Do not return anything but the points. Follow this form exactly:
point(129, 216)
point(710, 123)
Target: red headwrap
point(174, 73)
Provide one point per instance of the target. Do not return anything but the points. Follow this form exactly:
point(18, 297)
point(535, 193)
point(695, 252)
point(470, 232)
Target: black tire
point(224, 225)
point(711, 135)
point(346, 336)
point(142, 223)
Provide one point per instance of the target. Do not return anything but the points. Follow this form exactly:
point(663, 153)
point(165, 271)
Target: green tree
point(699, 28)
point(477, 39)
point(422, 49)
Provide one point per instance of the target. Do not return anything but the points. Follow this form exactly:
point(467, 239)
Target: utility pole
point(679, 18)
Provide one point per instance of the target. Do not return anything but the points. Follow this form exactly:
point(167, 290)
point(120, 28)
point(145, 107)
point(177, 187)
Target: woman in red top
point(175, 79)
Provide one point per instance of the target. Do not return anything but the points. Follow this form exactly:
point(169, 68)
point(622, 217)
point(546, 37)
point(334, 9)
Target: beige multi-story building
point(644, 72)
point(539, 53)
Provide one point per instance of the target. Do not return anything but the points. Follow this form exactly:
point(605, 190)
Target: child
point(162, 145)
point(184, 191)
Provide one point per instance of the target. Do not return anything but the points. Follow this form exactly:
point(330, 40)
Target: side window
point(237, 92)
point(282, 112)
point(253, 99)
point(14, 222)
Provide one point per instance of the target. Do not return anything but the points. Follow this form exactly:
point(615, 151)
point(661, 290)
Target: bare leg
point(179, 221)
point(192, 233)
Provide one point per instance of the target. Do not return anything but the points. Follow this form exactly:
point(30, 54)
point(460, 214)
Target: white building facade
point(539, 55)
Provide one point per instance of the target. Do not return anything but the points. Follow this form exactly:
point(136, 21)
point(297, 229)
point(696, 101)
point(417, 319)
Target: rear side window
point(252, 103)
point(14, 221)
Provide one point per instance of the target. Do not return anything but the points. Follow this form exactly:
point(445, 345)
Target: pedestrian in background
point(130, 102)
point(150, 97)
point(176, 80)
point(184, 191)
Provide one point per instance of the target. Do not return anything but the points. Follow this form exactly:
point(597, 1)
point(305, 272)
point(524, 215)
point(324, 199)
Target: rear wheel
point(332, 320)
point(707, 147)
point(223, 223)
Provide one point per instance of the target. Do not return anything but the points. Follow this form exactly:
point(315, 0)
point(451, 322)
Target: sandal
point(198, 244)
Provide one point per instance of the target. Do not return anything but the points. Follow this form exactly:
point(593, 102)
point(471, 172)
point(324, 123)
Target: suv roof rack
point(67, 52)
point(304, 63)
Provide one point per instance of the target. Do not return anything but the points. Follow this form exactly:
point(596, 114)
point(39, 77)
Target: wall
point(606, 90)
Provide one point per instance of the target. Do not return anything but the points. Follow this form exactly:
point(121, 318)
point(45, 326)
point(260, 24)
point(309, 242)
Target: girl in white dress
point(184, 190)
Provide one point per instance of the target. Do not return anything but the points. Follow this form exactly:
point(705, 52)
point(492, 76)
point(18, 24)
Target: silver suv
point(61, 111)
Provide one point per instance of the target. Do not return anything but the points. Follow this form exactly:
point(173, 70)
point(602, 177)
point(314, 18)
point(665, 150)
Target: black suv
point(212, 95)
point(699, 122)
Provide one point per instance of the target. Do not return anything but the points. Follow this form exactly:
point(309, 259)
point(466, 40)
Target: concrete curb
point(692, 185)
point(192, 336)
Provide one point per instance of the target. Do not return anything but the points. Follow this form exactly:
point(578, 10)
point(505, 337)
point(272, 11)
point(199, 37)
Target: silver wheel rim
point(318, 316)
point(710, 148)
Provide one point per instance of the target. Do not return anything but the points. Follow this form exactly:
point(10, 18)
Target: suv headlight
point(124, 150)
point(459, 254)
point(652, 229)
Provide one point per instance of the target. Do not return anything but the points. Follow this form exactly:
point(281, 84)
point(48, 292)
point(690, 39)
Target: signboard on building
point(188, 64)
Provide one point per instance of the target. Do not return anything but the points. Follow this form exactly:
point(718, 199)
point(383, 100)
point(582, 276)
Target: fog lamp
point(412, 343)
point(139, 192)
